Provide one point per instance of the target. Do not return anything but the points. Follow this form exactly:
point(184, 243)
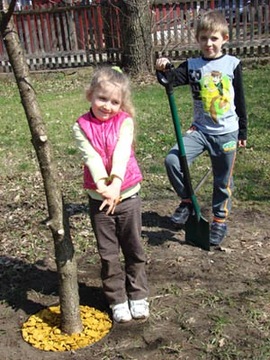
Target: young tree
point(136, 35)
point(58, 223)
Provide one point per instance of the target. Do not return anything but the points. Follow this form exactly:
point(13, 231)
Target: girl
point(112, 177)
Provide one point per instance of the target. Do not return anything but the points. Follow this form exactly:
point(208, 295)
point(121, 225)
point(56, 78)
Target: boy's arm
point(90, 156)
point(240, 103)
point(180, 74)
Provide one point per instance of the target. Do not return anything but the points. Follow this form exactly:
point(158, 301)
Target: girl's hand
point(112, 191)
point(111, 195)
point(101, 186)
point(102, 189)
point(111, 198)
point(111, 205)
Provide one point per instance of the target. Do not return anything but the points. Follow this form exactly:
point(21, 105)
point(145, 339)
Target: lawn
point(61, 99)
point(204, 305)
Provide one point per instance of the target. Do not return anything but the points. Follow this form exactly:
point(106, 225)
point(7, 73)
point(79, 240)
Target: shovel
point(196, 228)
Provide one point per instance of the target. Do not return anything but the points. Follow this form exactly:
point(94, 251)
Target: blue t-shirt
point(218, 98)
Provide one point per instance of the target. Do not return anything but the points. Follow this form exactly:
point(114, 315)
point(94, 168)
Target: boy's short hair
point(212, 21)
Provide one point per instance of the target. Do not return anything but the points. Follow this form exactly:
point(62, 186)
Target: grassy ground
point(203, 305)
point(61, 99)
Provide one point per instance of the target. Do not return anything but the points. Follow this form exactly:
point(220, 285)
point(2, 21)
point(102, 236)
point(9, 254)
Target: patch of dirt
point(204, 305)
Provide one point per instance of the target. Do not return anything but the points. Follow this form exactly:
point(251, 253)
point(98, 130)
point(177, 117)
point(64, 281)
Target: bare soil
point(204, 305)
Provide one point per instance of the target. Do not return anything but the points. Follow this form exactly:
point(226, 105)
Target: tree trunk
point(59, 224)
point(136, 36)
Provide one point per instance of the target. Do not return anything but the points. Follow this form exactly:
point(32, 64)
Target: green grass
point(61, 100)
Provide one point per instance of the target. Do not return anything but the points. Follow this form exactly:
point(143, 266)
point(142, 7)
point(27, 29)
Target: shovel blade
point(197, 232)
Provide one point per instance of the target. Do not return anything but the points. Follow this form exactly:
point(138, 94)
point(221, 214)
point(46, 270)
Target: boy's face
point(211, 43)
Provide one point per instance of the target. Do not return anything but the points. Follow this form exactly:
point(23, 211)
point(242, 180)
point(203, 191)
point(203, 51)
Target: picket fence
point(57, 35)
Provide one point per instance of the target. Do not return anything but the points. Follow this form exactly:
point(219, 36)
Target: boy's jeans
point(222, 152)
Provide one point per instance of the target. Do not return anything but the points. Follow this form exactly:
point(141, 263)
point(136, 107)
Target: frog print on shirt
point(215, 94)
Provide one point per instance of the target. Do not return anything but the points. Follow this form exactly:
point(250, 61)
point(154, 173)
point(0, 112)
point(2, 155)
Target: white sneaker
point(121, 312)
point(139, 309)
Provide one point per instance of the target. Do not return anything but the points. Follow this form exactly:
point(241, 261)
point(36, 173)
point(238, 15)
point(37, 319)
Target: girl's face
point(211, 43)
point(106, 101)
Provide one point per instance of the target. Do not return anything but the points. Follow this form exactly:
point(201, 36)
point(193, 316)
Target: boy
point(219, 123)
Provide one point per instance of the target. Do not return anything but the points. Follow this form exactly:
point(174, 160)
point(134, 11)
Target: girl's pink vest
point(103, 136)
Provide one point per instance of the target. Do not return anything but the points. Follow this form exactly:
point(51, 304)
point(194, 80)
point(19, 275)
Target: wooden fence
point(54, 36)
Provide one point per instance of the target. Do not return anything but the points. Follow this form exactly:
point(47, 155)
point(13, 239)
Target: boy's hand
point(242, 143)
point(161, 64)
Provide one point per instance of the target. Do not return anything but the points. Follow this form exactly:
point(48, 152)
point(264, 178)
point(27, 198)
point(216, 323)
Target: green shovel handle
point(164, 81)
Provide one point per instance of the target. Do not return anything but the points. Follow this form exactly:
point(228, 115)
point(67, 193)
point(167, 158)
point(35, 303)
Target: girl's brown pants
point(120, 232)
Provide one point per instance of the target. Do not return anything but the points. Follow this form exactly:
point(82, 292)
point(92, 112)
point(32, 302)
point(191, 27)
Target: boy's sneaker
point(121, 312)
point(139, 309)
point(217, 233)
point(182, 213)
